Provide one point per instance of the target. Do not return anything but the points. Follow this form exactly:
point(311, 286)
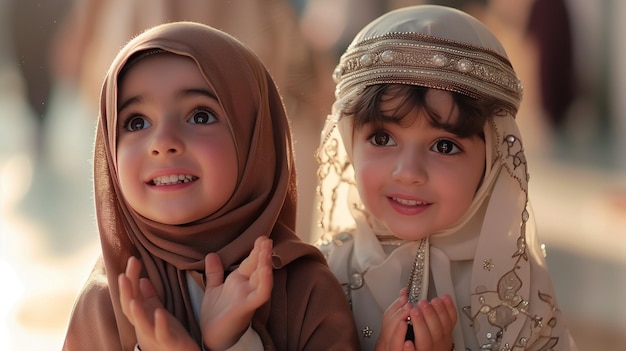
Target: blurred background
point(54, 54)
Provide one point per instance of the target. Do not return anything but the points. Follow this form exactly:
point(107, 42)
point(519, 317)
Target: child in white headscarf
point(424, 188)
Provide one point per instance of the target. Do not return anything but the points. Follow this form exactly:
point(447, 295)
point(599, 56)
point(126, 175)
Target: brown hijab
point(263, 203)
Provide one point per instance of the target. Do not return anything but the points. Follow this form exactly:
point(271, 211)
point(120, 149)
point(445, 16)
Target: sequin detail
point(367, 332)
point(488, 264)
point(417, 273)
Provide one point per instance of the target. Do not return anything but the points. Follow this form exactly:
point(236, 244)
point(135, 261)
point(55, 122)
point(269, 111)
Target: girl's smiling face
point(176, 157)
point(415, 178)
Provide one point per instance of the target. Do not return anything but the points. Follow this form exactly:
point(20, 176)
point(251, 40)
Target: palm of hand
point(228, 305)
point(156, 328)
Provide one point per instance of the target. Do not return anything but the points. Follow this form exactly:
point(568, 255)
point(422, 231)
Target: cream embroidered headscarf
point(512, 302)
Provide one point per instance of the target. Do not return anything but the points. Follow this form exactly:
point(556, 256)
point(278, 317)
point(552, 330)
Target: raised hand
point(432, 323)
point(394, 324)
point(228, 306)
point(155, 327)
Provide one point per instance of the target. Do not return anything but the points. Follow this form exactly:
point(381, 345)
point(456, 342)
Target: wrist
point(242, 341)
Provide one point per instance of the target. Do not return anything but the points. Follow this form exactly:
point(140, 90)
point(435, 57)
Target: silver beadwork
point(417, 273)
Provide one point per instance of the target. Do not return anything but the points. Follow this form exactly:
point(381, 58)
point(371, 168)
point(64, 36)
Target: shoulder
point(338, 252)
point(318, 309)
point(337, 243)
point(313, 269)
point(92, 321)
point(309, 277)
point(96, 293)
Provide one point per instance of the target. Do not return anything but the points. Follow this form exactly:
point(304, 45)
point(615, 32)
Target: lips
point(173, 179)
point(408, 207)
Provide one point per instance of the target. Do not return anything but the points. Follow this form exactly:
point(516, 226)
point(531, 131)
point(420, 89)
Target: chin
point(408, 233)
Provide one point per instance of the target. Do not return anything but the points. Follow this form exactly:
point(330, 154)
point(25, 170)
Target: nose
point(167, 140)
point(410, 167)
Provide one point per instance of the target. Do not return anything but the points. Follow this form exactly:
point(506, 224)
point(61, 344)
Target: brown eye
point(202, 116)
point(136, 123)
point(381, 139)
point(446, 147)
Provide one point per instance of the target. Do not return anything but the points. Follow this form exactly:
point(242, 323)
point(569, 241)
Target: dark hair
point(366, 108)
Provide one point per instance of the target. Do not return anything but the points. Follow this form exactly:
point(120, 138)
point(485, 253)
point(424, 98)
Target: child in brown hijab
point(194, 182)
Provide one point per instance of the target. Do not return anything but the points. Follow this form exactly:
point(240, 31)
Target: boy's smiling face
point(414, 178)
point(176, 157)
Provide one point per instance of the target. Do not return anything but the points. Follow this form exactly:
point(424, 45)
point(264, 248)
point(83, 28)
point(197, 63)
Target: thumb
point(214, 270)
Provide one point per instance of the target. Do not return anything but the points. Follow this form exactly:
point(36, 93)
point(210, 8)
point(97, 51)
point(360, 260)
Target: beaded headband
point(418, 59)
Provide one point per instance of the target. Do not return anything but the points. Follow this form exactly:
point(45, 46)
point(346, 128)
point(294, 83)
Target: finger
point(150, 300)
point(161, 327)
point(133, 271)
point(432, 320)
point(128, 283)
point(398, 334)
point(266, 251)
point(214, 271)
point(392, 335)
point(265, 282)
point(143, 323)
point(170, 334)
point(395, 306)
point(442, 314)
point(408, 346)
point(423, 339)
point(263, 268)
point(146, 288)
point(450, 308)
point(126, 295)
point(248, 265)
point(129, 288)
point(261, 280)
point(397, 325)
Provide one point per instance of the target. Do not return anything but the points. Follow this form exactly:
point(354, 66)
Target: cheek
point(370, 178)
point(474, 166)
point(220, 160)
point(468, 184)
point(125, 173)
point(128, 164)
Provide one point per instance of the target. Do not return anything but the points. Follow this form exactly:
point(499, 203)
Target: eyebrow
point(185, 92)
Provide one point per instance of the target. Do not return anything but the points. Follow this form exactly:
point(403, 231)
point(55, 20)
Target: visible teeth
point(408, 202)
point(173, 179)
